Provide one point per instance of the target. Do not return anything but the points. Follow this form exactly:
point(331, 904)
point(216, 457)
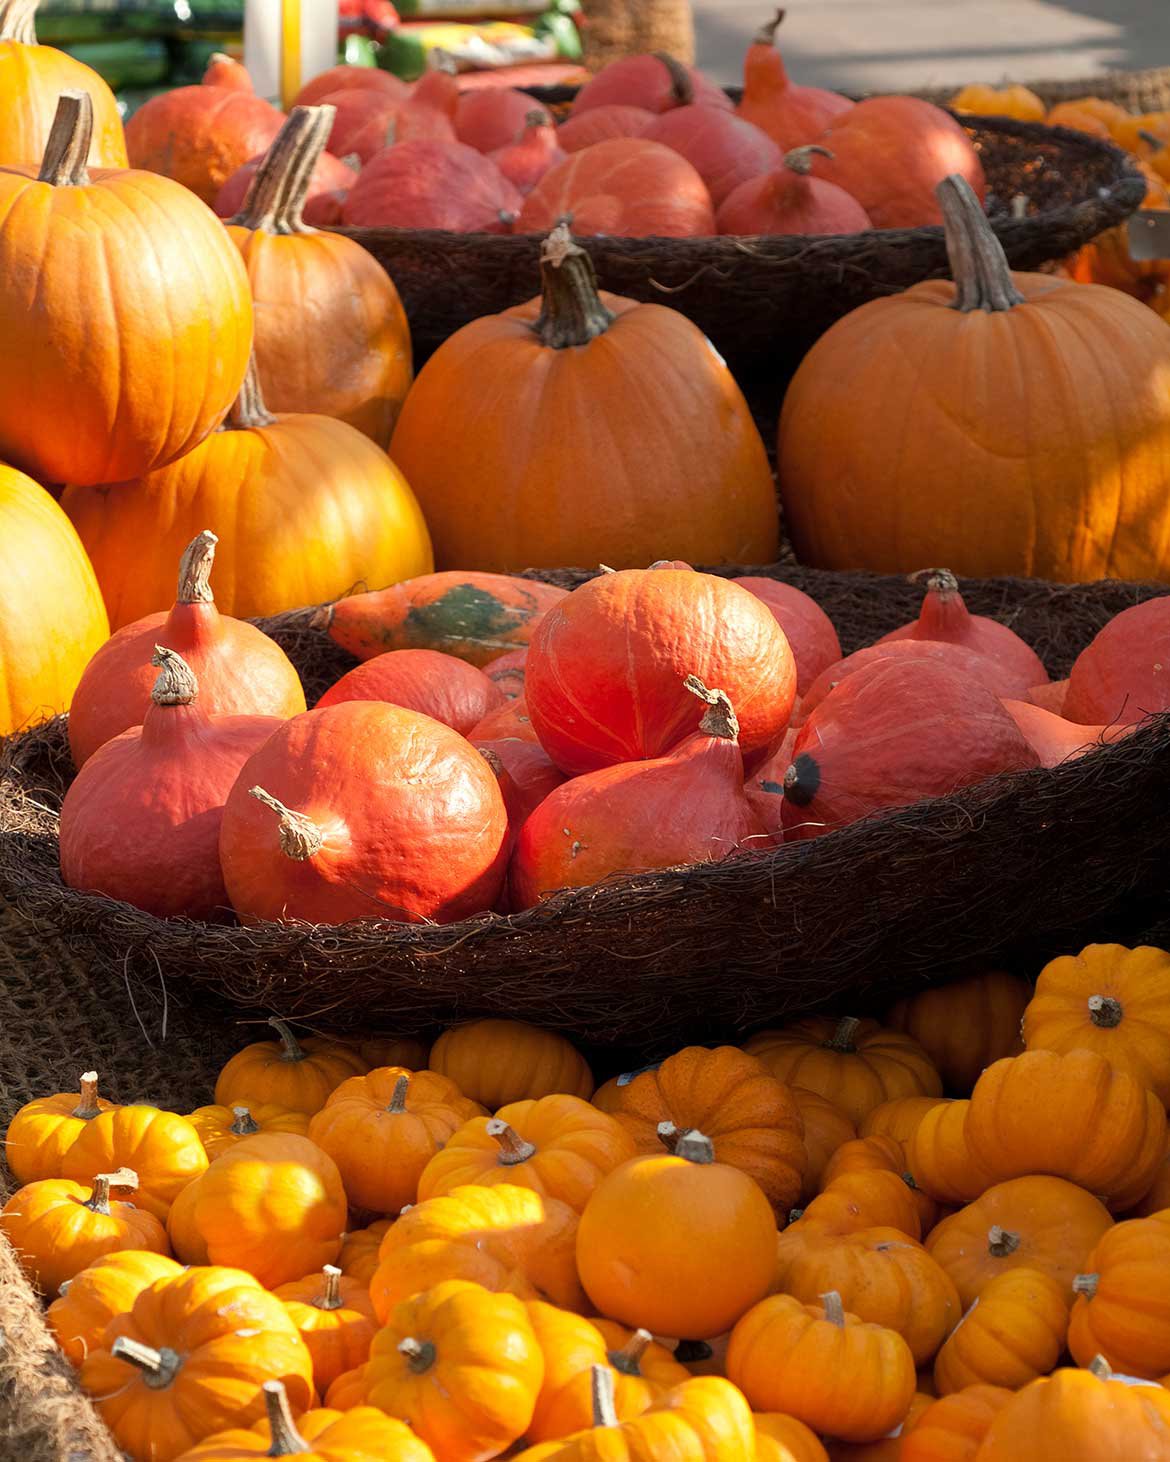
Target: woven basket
point(617, 28)
point(764, 302)
point(1136, 91)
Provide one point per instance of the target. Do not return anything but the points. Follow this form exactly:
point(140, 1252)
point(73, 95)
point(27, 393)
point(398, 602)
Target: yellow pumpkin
point(1002, 101)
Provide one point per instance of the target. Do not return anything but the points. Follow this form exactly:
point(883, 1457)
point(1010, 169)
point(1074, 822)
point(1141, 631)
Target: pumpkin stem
point(1100, 1368)
point(286, 1440)
point(979, 265)
point(690, 1144)
point(766, 35)
point(243, 1126)
point(795, 1215)
point(248, 410)
point(513, 1148)
point(602, 1393)
point(493, 760)
point(176, 684)
point(99, 1199)
point(1001, 1242)
point(938, 581)
point(421, 1357)
point(1104, 1011)
point(628, 1360)
point(159, 1367)
point(195, 569)
point(802, 782)
point(276, 197)
point(67, 149)
point(1019, 206)
point(330, 1296)
point(719, 719)
point(300, 837)
point(538, 119)
point(800, 159)
point(692, 1352)
point(291, 1049)
point(842, 1038)
point(681, 85)
point(87, 1099)
point(1086, 1284)
point(398, 1095)
point(18, 21)
point(572, 312)
point(834, 1309)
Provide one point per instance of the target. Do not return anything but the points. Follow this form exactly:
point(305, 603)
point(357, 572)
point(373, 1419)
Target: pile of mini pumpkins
point(473, 1253)
point(503, 739)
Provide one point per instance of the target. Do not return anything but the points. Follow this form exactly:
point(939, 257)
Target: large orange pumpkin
point(134, 341)
point(1075, 490)
point(610, 431)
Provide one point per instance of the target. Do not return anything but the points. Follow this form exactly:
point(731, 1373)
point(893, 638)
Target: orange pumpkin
point(899, 1119)
point(406, 1051)
point(784, 1439)
point(690, 482)
point(863, 1199)
point(627, 185)
point(331, 333)
point(495, 1062)
point(272, 1205)
point(1056, 1418)
point(880, 1154)
point(887, 1448)
point(951, 1429)
point(1027, 1223)
point(298, 1075)
point(999, 101)
point(826, 1128)
point(220, 1128)
point(966, 1025)
point(359, 1250)
point(106, 1288)
point(144, 361)
point(383, 1129)
point(161, 1147)
point(1158, 1197)
point(349, 1390)
point(1122, 1310)
point(1090, 114)
point(1013, 1332)
point(855, 1063)
point(752, 1120)
point(43, 1130)
point(940, 1158)
point(336, 1319)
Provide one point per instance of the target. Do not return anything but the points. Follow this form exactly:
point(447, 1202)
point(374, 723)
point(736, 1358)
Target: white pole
point(263, 29)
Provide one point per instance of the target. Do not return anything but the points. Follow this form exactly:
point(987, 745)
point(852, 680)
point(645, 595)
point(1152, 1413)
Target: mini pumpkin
point(495, 1062)
point(965, 1026)
point(296, 1074)
point(220, 1128)
point(106, 1288)
point(1012, 1332)
point(880, 1154)
point(336, 1319)
point(43, 1130)
point(359, 1250)
point(1002, 101)
point(1122, 1309)
point(826, 1128)
point(899, 1119)
point(163, 1148)
point(862, 1199)
point(940, 1158)
point(784, 1439)
point(1057, 1417)
point(951, 1429)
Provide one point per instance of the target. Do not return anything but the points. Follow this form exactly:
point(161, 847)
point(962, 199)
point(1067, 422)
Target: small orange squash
point(43, 1130)
point(899, 1119)
point(1013, 1332)
point(1003, 101)
point(336, 1319)
point(359, 1250)
point(880, 1154)
point(826, 1128)
point(952, 1428)
point(940, 1158)
point(161, 1147)
point(222, 1127)
point(106, 1288)
point(966, 1025)
point(784, 1439)
point(292, 1073)
point(499, 1061)
point(1122, 1310)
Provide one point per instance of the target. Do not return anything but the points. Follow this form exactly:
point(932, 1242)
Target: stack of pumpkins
point(473, 1253)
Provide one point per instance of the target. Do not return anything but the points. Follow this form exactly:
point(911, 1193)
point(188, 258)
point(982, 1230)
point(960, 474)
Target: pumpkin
point(43, 1130)
point(225, 70)
point(787, 199)
point(461, 1366)
point(431, 185)
point(359, 1250)
point(408, 1051)
point(295, 1074)
point(656, 82)
point(855, 1063)
point(349, 1390)
point(1056, 1417)
point(199, 135)
point(882, 1276)
point(437, 685)
point(365, 122)
point(272, 1205)
point(654, 482)
point(139, 394)
point(317, 823)
point(1088, 114)
point(106, 1288)
point(1012, 1332)
point(161, 1147)
point(140, 822)
point(964, 1026)
point(331, 334)
point(559, 1146)
point(495, 1062)
point(1002, 101)
point(900, 1118)
point(336, 1320)
point(220, 1128)
point(343, 77)
point(383, 1129)
point(323, 507)
point(826, 1128)
point(854, 1201)
point(723, 148)
point(887, 1448)
point(951, 1429)
point(628, 186)
point(603, 124)
point(881, 1154)
point(241, 672)
point(940, 1158)
point(784, 1439)
point(175, 1367)
point(493, 117)
point(688, 806)
point(1112, 1000)
point(524, 772)
point(1055, 740)
point(807, 628)
point(510, 722)
point(52, 619)
point(788, 113)
point(473, 616)
point(58, 1227)
point(823, 1366)
point(526, 159)
point(1158, 1198)
point(1026, 1223)
point(1111, 1133)
point(656, 1230)
point(938, 345)
point(330, 181)
point(508, 1239)
point(1120, 676)
point(1122, 1309)
point(506, 672)
point(890, 735)
point(321, 1435)
point(753, 1122)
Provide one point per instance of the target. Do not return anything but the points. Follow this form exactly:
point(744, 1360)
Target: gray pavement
point(883, 45)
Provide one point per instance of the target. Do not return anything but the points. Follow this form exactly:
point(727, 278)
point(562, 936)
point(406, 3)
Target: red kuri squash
point(526, 159)
point(1124, 673)
point(790, 114)
point(525, 773)
point(492, 118)
point(342, 78)
point(629, 186)
point(807, 628)
point(366, 122)
point(789, 200)
point(723, 148)
point(603, 124)
point(655, 81)
point(330, 182)
point(426, 681)
point(432, 184)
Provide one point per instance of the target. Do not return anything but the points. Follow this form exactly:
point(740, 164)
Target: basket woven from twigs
point(1137, 91)
point(764, 301)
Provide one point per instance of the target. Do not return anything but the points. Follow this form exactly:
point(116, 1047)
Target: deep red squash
point(524, 772)
point(428, 184)
point(807, 628)
point(890, 735)
point(343, 78)
point(493, 118)
point(330, 182)
point(533, 153)
point(427, 681)
point(627, 187)
point(892, 152)
point(509, 721)
point(790, 200)
point(944, 616)
point(506, 672)
point(764, 787)
point(1055, 740)
point(241, 672)
point(685, 807)
point(603, 124)
point(723, 148)
point(607, 666)
point(225, 70)
point(364, 810)
point(368, 121)
point(140, 821)
point(654, 81)
point(790, 114)
point(1124, 673)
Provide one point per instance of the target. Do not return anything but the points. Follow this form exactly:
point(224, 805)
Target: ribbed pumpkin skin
point(52, 619)
point(108, 1287)
point(304, 508)
point(31, 80)
point(965, 1026)
point(626, 186)
point(1124, 1312)
point(200, 135)
point(133, 343)
point(1055, 1418)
